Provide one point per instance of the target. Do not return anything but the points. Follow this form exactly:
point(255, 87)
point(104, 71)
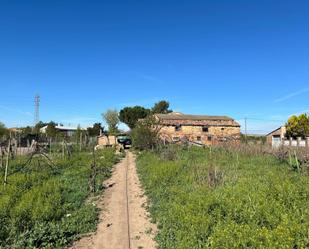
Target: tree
point(298, 126)
point(51, 130)
point(161, 107)
point(130, 115)
point(38, 126)
point(3, 130)
point(112, 120)
point(145, 135)
point(95, 129)
point(26, 130)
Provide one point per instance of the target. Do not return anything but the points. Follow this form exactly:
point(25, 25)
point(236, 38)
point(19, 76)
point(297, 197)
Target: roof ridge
point(195, 116)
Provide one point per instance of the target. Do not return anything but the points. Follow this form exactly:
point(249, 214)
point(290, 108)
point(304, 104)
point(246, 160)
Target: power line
point(264, 119)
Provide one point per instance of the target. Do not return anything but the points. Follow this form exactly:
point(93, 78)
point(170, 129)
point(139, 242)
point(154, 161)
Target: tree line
point(51, 131)
point(128, 115)
point(296, 126)
point(140, 120)
point(132, 114)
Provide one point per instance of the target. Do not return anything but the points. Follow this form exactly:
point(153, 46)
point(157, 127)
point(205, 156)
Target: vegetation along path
point(124, 221)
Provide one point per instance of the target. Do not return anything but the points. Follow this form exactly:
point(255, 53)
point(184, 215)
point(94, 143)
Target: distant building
point(107, 140)
point(15, 130)
point(122, 139)
point(199, 129)
point(277, 138)
point(66, 130)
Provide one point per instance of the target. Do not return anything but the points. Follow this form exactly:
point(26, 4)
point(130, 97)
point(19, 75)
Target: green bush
point(256, 202)
point(145, 134)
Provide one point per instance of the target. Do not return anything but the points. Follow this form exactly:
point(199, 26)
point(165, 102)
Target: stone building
point(199, 129)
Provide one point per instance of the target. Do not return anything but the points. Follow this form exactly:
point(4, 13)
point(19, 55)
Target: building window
point(199, 138)
point(209, 138)
point(205, 128)
point(178, 128)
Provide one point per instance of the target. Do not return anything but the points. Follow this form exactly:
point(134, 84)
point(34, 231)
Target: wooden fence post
point(16, 144)
point(7, 162)
point(1, 157)
point(50, 144)
point(93, 174)
point(63, 149)
point(80, 141)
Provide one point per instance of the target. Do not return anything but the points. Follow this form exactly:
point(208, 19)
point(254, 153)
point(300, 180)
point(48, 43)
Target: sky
point(244, 59)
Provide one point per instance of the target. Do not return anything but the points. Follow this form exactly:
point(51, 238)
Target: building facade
point(199, 129)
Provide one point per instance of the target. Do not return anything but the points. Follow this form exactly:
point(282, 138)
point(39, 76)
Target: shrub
point(145, 134)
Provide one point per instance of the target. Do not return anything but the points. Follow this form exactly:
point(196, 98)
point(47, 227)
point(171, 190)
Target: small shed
point(107, 140)
point(275, 138)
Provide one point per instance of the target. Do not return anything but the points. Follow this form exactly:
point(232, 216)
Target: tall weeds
point(45, 207)
point(226, 197)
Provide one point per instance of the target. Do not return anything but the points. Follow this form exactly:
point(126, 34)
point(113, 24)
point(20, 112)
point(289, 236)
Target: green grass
point(215, 198)
point(46, 207)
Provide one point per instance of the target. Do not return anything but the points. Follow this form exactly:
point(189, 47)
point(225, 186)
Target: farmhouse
point(199, 129)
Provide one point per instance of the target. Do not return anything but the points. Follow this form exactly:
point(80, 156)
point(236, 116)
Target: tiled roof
point(186, 119)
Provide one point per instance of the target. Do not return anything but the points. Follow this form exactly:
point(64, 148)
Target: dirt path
point(124, 223)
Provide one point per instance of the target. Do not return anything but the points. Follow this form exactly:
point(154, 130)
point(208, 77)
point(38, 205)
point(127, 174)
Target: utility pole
point(246, 134)
point(36, 109)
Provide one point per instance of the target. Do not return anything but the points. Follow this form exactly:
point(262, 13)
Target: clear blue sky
point(237, 58)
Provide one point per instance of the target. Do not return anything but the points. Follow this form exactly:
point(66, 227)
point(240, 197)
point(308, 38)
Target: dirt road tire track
point(124, 222)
